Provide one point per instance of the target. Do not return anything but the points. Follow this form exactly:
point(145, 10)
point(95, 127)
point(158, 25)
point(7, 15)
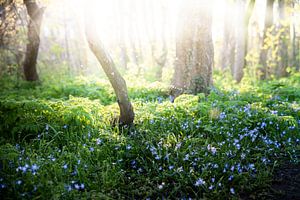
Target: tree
point(117, 81)
point(159, 52)
point(36, 16)
point(283, 42)
point(10, 49)
point(264, 50)
point(124, 59)
point(295, 38)
point(242, 37)
point(228, 47)
point(194, 49)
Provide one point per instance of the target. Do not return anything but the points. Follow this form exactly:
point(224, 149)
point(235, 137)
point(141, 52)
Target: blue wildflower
point(199, 182)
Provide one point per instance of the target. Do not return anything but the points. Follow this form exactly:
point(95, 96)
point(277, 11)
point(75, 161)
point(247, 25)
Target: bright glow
point(143, 20)
point(141, 25)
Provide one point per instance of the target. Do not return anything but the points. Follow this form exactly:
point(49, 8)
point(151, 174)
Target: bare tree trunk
point(66, 36)
point(298, 55)
point(293, 60)
point(228, 46)
point(242, 38)
point(264, 51)
point(194, 49)
point(122, 43)
point(36, 15)
point(162, 58)
point(115, 78)
point(282, 46)
point(240, 47)
point(133, 37)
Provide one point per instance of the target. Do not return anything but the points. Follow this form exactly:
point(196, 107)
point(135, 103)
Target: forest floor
point(238, 142)
point(286, 182)
point(284, 186)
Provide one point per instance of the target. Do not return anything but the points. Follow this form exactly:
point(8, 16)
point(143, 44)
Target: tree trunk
point(115, 78)
point(293, 60)
point(67, 57)
point(228, 47)
point(240, 47)
point(264, 51)
point(242, 38)
point(194, 49)
point(282, 46)
point(122, 42)
point(162, 58)
point(32, 49)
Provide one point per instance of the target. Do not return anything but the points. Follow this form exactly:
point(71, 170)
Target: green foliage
point(57, 140)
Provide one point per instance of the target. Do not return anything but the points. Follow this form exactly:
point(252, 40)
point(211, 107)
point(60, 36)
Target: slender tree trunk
point(283, 47)
point(67, 49)
point(240, 47)
point(133, 38)
point(242, 38)
point(293, 60)
point(264, 50)
point(122, 42)
point(298, 55)
point(36, 15)
point(228, 47)
point(117, 81)
point(194, 49)
point(162, 58)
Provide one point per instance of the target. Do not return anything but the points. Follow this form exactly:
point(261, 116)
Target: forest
point(150, 99)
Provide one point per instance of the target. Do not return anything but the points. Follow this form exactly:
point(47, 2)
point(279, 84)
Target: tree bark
point(242, 38)
point(36, 16)
point(228, 47)
point(115, 78)
point(282, 46)
point(293, 60)
point(240, 47)
point(264, 51)
point(161, 59)
point(194, 49)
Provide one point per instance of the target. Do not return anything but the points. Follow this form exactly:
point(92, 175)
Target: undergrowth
point(57, 140)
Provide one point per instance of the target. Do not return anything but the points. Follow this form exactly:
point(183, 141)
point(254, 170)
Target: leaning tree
point(117, 81)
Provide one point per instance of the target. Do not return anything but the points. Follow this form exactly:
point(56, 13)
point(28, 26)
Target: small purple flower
point(68, 188)
point(18, 182)
point(77, 187)
point(128, 147)
point(232, 191)
point(171, 167)
point(222, 115)
point(34, 167)
point(199, 182)
point(82, 186)
point(263, 125)
point(98, 141)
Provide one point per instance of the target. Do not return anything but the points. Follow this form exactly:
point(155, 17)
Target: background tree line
point(174, 41)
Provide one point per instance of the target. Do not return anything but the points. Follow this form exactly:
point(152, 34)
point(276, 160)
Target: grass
point(57, 141)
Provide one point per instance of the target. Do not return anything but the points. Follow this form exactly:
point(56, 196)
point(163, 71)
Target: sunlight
point(141, 20)
point(149, 99)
